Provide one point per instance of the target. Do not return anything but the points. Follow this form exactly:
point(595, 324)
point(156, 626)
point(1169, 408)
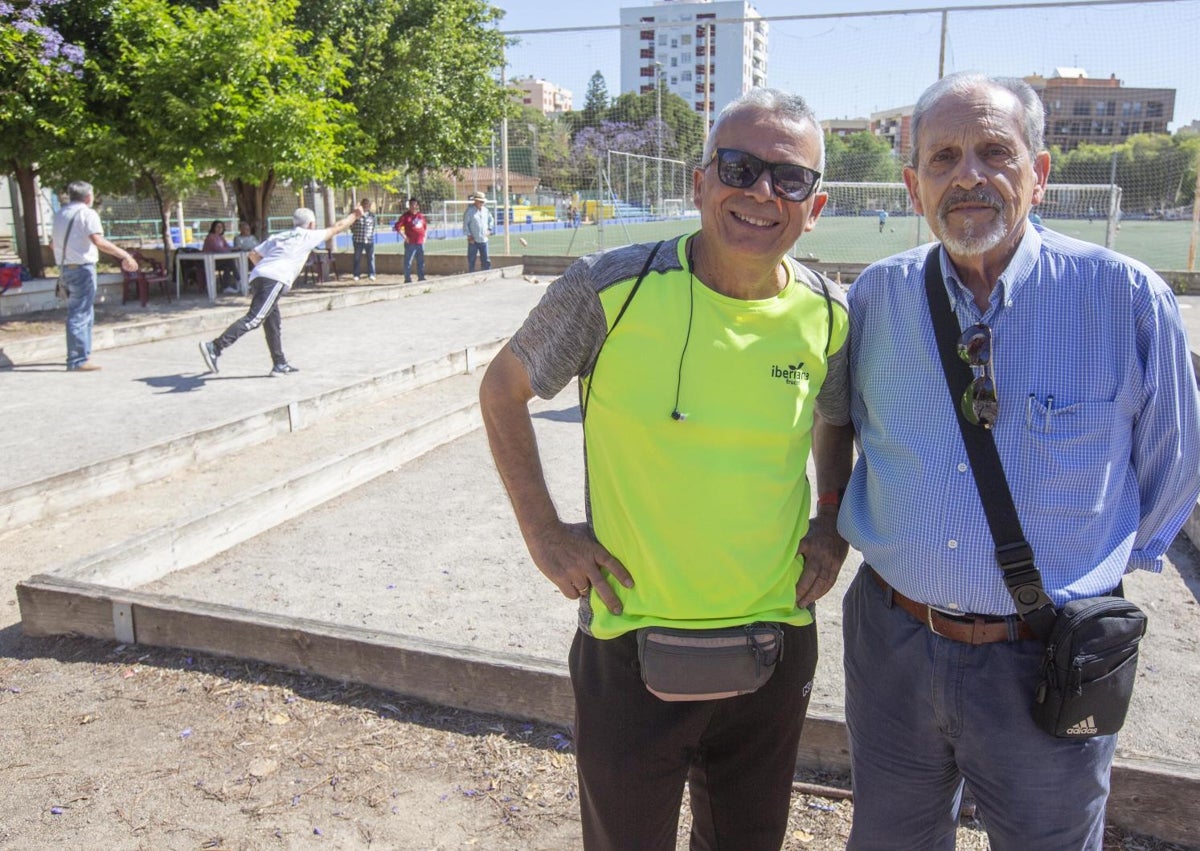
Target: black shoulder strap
point(828, 312)
point(586, 397)
point(1013, 552)
point(67, 237)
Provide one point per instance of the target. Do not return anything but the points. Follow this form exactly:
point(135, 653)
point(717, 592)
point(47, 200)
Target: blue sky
point(851, 67)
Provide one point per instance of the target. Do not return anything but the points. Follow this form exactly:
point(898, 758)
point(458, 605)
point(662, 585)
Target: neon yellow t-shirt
point(705, 512)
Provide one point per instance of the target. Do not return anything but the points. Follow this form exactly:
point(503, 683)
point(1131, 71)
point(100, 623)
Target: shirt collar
point(1012, 279)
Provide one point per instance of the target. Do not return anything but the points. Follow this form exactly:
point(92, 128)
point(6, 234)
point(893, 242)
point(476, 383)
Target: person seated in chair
point(246, 240)
point(215, 243)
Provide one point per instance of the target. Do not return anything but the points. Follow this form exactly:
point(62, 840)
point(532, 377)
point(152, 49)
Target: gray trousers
point(927, 714)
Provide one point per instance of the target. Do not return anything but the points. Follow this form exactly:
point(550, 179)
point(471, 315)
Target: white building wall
point(738, 64)
point(546, 96)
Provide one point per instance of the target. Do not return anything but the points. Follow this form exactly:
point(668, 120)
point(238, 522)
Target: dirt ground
point(106, 746)
point(131, 747)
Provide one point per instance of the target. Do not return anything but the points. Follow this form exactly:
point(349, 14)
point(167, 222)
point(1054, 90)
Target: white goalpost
point(641, 187)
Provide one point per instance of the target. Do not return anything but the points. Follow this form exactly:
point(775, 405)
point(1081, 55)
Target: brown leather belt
point(969, 629)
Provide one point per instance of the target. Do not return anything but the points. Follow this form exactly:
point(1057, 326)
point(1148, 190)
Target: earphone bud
point(678, 415)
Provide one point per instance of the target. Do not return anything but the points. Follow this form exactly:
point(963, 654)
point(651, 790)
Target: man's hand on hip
point(824, 550)
point(573, 561)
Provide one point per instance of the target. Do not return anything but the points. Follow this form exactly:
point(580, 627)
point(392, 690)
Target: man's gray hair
point(964, 82)
point(303, 217)
point(79, 190)
point(789, 107)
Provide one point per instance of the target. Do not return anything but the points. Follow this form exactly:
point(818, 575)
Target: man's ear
point(910, 181)
point(819, 200)
point(1041, 171)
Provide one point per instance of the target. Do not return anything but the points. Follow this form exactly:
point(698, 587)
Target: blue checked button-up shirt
point(1098, 427)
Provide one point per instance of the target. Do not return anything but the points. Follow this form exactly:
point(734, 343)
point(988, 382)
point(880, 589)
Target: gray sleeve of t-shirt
point(562, 335)
point(833, 399)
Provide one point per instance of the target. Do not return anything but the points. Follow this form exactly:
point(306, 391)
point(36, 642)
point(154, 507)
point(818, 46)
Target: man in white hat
point(477, 225)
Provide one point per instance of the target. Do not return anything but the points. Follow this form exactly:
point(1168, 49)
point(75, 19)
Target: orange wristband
point(829, 498)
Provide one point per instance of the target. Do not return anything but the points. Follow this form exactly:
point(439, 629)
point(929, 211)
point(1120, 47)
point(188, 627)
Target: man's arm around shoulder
point(565, 553)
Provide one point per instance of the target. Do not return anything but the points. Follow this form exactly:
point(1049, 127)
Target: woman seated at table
point(215, 243)
point(245, 241)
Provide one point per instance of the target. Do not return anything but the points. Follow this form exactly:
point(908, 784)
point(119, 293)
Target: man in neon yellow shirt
point(709, 366)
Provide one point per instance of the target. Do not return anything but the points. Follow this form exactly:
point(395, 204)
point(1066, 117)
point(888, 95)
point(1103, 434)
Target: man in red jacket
point(413, 225)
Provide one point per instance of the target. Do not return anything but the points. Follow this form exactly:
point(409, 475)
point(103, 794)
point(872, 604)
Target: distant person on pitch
point(278, 262)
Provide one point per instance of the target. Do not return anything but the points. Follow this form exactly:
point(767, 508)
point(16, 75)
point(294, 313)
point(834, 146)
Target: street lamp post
point(534, 150)
point(658, 121)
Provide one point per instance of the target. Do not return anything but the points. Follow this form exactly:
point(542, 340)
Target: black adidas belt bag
point(1092, 644)
point(708, 664)
point(1087, 675)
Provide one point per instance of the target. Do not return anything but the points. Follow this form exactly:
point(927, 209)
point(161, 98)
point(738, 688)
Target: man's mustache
point(969, 196)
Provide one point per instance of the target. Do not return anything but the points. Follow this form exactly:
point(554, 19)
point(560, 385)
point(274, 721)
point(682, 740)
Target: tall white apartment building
point(704, 50)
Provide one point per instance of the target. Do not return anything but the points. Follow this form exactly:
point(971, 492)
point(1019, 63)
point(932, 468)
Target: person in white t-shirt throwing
point(277, 263)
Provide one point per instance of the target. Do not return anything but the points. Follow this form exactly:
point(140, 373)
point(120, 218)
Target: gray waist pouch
point(708, 664)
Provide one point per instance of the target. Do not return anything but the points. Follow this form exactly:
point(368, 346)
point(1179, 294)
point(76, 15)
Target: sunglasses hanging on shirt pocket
point(708, 664)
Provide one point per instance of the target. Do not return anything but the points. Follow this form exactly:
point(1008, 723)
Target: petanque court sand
point(432, 551)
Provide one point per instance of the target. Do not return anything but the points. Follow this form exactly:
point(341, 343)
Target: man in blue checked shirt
point(1091, 399)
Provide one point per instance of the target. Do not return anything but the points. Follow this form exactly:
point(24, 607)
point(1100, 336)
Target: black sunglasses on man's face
point(741, 170)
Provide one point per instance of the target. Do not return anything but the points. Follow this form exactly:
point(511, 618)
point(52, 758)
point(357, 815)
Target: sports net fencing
point(618, 167)
point(1124, 165)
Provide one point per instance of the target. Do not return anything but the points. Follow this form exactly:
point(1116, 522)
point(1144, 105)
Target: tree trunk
point(164, 216)
point(27, 182)
point(253, 200)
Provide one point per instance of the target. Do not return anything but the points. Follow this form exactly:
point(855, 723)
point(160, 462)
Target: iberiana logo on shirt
point(792, 374)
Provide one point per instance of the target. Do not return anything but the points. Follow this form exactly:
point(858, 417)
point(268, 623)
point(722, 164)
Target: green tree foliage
point(41, 100)
point(181, 92)
point(683, 137)
point(539, 145)
point(431, 187)
point(595, 102)
point(629, 124)
point(421, 74)
point(185, 95)
point(860, 157)
point(1155, 171)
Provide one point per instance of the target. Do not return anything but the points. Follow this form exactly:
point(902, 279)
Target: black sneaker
point(209, 352)
point(283, 369)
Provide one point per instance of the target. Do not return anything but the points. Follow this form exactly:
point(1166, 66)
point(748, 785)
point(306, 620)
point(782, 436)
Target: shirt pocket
point(1067, 455)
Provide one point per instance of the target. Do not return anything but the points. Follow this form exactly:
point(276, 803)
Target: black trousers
point(634, 752)
point(264, 311)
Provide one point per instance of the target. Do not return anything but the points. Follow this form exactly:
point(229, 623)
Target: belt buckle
point(929, 622)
